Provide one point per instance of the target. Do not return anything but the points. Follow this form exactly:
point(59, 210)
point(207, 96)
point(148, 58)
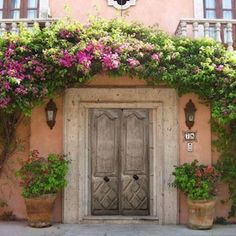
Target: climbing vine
point(42, 62)
point(8, 140)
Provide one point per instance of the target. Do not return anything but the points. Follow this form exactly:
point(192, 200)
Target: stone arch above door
point(164, 148)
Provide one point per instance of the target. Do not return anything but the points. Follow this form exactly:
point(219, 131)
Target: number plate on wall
point(190, 136)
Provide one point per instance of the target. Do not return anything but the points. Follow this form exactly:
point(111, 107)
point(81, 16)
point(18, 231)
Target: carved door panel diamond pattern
point(119, 152)
point(134, 168)
point(104, 152)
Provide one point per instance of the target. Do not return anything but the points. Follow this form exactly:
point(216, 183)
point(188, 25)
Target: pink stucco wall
point(164, 13)
point(40, 137)
point(48, 141)
point(201, 148)
point(10, 191)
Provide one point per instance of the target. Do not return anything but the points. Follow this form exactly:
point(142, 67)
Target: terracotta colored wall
point(201, 148)
point(203, 151)
point(48, 141)
point(164, 13)
point(10, 191)
point(35, 134)
point(105, 81)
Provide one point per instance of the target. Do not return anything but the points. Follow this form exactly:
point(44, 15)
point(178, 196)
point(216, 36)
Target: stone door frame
point(163, 150)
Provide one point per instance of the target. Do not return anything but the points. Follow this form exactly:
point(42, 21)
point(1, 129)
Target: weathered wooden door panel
point(119, 152)
point(104, 152)
point(134, 164)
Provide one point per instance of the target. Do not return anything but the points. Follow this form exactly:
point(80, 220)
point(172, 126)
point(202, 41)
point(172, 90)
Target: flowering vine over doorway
point(43, 62)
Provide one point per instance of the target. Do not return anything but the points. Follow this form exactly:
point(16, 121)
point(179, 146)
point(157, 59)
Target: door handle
point(106, 179)
point(135, 177)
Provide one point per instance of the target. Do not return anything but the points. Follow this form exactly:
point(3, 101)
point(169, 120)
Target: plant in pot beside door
point(42, 178)
point(198, 183)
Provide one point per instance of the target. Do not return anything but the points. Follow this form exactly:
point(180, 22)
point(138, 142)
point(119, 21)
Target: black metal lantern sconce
point(51, 112)
point(190, 111)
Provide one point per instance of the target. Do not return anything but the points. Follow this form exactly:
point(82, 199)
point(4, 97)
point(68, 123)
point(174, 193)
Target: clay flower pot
point(39, 210)
point(201, 213)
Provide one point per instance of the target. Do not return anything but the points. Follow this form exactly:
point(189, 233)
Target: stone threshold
point(118, 219)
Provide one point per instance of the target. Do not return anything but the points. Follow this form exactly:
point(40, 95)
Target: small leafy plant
point(196, 181)
point(41, 175)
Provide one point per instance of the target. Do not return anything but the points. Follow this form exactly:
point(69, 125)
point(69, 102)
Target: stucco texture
point(10, 191)
point(164, 13)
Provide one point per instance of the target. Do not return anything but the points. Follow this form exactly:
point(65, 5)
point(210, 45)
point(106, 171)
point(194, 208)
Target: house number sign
point(190, 136)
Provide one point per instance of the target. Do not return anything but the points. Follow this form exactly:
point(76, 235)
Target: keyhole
point(135, 177)
point(106, 179)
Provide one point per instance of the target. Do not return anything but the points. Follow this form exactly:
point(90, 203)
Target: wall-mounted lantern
point(190, 111)
point(51, 112)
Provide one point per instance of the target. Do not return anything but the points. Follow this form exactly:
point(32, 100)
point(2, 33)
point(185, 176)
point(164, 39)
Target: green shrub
point(196, 181)
point(41, 175)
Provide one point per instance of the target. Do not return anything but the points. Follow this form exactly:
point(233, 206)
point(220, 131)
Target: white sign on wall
point(190, 136)
point(121, 4)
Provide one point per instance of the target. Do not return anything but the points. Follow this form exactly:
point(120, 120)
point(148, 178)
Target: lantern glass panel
point(50, 115)
point(191, 117)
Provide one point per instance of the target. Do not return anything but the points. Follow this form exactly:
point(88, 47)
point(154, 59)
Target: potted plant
point(41, 179)
point(198, 183)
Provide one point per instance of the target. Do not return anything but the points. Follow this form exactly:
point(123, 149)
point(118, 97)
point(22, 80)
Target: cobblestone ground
point(21, 229)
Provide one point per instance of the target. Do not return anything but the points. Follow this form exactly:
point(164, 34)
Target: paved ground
point(21, 229)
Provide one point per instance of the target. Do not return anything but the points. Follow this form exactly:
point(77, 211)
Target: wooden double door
point(119, 141)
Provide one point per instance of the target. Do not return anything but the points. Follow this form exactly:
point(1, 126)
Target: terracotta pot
point(201, 213)
point(39, 210)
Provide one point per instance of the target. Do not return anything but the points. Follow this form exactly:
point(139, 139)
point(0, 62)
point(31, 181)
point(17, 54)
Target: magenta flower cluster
point(66, 60)
point(133, 62)
point(27, 76)
point(19, 72)
point(110, 61)
point(111, 58)
point(69, 35)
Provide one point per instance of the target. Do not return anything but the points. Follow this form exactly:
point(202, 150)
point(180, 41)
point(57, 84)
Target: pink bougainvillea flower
point(84, 59)
point(89, 47)
point(133, 62)
point(155, 57)
point(67, 60)
point(38, 70)
point(6, 85)
point(122, 48)
point(111, 61)
point(65, 34)
point(4, 102)
point(10, 50)
point(219, 68)
point(149, 47)
point(21, 90)
point(99, 50)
